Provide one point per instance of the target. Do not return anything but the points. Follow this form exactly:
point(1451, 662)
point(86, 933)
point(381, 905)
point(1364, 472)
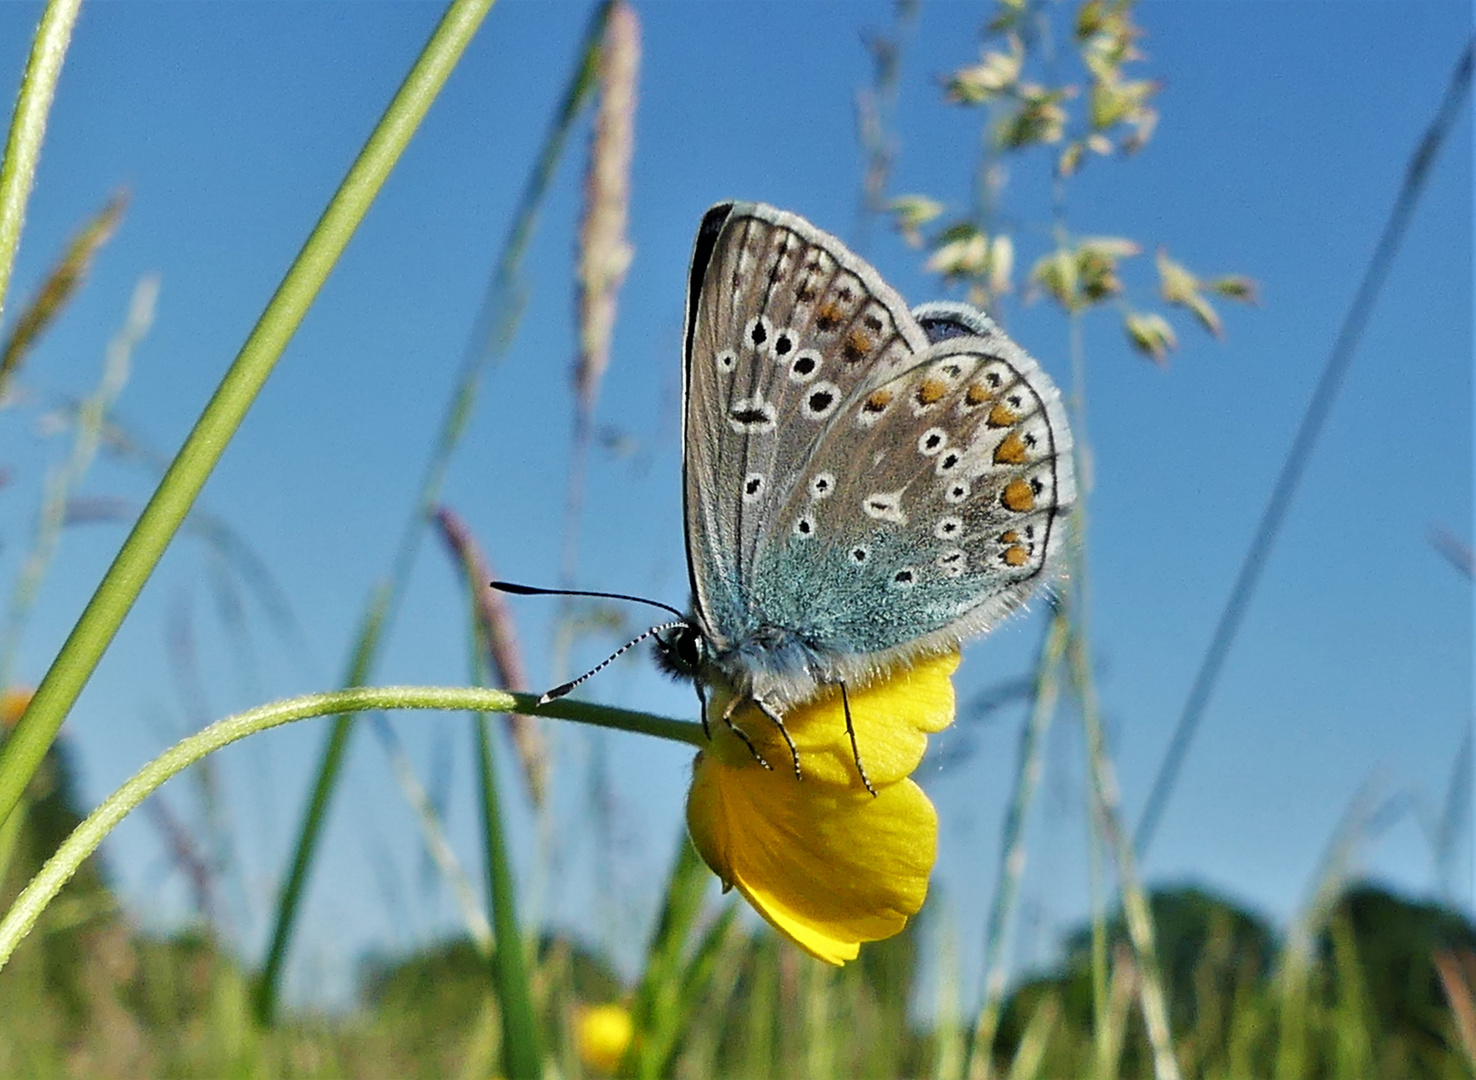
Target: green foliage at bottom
point(1368, 1002)
point(87, 995)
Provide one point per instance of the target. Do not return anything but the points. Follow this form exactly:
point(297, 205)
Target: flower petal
point(828, 866)
point(824, 860)
point(892, 718)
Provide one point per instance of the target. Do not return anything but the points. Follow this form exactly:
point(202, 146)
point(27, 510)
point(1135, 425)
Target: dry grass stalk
point(1458, 978)
point(604, 250)
point(63, 280)
point(502, 646)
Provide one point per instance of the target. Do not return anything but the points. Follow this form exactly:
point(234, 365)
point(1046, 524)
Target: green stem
point(490, 339)
point(979, 1058)
point(28, 128)
point(1135, 906)
point(86, 837)
point(521, 1053)
point(193, 464)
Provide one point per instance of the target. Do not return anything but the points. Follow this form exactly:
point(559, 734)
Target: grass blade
point(192, 466)
point(28, 127)
point(522, 1056)
point(494, 328)
point(657, 1004)
point(980, 1055)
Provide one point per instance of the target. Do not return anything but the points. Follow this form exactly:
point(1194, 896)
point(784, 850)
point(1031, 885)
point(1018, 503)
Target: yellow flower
point(825, 862)
point(13, 702)
point(603, 1033)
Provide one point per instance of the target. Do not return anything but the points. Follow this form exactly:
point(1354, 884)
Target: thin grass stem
point(86, 837)
point(28, 128)
point(522, 1054)
point(980, 1057)
point(1139, 919)
point(489, 340)
point(192, 466)
point(88, 430)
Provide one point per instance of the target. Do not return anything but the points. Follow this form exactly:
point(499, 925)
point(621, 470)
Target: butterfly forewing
point(786, 330)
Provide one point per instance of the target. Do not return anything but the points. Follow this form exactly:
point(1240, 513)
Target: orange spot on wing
point(858, 344)
point(1015, 556)
point(1001, 416)
point(1009, 537)
point(878, 401)
point(977, 394)
point(1011, 451)
point(829, 317)
point(1018, 497)
point(930, 391)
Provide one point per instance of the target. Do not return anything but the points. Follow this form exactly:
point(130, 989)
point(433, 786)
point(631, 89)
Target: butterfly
point(863, 484)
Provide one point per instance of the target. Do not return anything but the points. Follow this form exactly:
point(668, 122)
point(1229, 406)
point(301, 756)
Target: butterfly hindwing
point(945, 509)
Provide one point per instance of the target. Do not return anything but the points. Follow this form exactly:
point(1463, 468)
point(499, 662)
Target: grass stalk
point(490, 337)
point(980, 1056)
point(86, 837)
point(1139, 919)
point(522, 1056)
point(433, 836)
point(57, 289)
point(657, 1007)
point(88, 431)
point(28, 127)
point(192, 466)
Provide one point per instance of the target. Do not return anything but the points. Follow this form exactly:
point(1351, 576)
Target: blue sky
point(1286, 128)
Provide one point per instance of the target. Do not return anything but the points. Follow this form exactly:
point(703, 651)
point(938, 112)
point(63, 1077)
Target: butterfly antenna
point(534, 590)
point(559, 691)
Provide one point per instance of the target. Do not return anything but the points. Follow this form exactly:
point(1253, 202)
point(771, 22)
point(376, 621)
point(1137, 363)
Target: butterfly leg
point(768, 710)
point(702, 702)
point(736, 730)
point(855, 750)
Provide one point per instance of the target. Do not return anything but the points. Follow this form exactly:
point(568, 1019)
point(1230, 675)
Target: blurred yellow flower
point(13, 702)
point(828, 864)
point(603, 1033)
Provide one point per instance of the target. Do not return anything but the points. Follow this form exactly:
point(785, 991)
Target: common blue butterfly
point(862, 484)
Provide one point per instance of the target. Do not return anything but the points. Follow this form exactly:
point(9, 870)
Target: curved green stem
point(87, 836)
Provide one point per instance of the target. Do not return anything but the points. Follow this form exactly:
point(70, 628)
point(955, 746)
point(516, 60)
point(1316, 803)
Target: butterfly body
point(863, 484)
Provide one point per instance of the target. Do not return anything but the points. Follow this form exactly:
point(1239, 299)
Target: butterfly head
point(682, 650)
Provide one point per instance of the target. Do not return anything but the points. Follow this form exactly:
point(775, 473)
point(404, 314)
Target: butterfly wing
point(950, 480)
point(784, 328)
